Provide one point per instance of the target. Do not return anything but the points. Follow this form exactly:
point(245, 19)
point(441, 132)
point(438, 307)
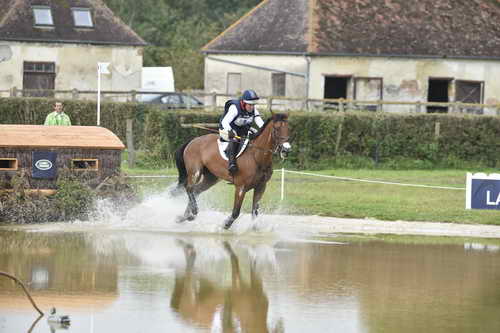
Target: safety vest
point(240, 124)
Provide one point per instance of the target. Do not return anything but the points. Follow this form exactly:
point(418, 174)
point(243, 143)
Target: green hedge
point(372, 138)
point(32, 111)
point(380, 138)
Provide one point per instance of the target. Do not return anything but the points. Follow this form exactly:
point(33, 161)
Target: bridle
point(278, 140)
point(281, 144)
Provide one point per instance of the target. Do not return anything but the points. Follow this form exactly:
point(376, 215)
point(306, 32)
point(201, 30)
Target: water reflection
point(241, 306)
point(481, 247)
point(142, 281)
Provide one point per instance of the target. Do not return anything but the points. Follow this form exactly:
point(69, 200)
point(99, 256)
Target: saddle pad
point(223, 145)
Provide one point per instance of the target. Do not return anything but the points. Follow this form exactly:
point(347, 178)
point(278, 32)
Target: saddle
point(223, 147)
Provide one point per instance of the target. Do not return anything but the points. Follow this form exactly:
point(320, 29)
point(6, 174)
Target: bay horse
point(201, 166)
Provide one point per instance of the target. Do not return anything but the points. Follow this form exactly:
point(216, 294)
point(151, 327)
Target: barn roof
point(453, 28)
point(17, 23)
point(40, 136)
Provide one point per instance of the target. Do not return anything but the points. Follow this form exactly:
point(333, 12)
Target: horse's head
point(280, 134)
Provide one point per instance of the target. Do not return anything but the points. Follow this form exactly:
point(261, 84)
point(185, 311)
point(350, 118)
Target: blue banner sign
point(44, 165)
point(483, 191)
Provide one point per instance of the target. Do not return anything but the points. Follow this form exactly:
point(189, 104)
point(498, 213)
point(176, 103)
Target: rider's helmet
point(249, 97)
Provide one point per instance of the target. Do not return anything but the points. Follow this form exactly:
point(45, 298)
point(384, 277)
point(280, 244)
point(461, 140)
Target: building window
point(42, 15)
point(38, 79)
point(233, 83)
point(278, 81)
point(469, 92)
point(82, 17)
point(85, 164)
point(8, 163)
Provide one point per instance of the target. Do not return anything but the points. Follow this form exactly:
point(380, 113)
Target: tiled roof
point(17, 23)
point(454, 28)
point(274, 25)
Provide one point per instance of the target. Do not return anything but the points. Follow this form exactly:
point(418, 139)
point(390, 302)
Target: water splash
point(158, 212)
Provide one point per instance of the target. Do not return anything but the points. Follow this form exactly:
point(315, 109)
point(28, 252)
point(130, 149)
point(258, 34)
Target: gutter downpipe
point(308, 78)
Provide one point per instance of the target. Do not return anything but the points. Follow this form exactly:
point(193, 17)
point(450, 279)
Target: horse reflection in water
point(240, 307)
point(200, 166)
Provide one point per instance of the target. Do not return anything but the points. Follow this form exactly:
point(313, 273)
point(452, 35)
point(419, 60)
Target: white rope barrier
point(357, 180)
point(282, 170)
point(377, 181)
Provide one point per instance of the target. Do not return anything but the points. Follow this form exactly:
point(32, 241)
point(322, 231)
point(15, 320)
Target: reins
point(241, 138)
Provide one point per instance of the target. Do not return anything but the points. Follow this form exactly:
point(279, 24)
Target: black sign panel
point(44, 165)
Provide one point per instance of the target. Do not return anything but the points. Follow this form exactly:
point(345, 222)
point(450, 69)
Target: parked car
point(172, 100)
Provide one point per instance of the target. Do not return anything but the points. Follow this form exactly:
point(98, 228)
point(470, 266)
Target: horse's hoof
point(184, 218)
point(228, 224)
point(180, 219)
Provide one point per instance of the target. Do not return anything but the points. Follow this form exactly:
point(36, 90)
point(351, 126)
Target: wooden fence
point(215, 101)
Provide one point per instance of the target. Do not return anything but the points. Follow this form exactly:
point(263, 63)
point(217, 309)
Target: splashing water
point(158, 212)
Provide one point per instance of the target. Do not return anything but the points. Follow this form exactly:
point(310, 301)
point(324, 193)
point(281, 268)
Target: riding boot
point(232, 149)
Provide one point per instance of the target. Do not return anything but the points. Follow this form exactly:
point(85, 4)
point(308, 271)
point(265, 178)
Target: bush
point(74, 200)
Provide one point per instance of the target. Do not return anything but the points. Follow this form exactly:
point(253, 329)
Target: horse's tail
point(181, 168)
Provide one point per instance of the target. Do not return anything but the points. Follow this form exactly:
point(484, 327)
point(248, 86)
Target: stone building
point(365, 50)
point(56, 45)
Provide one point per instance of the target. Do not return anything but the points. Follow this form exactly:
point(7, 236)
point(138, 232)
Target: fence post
point(269, 104)
point(74, 93)
point(134, 96)
point(282, 184)
point(341, 105)
point(339, 136)
point(418, 107)
point(307, 104)
point(437, 130)
point(214, 101)
point(130, 143)
point(13, 92)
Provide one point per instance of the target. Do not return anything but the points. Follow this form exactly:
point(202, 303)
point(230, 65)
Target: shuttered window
point(39, 79)
point(278, 81)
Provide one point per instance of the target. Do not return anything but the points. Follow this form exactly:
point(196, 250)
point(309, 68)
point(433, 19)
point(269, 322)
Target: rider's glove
point(231, 134)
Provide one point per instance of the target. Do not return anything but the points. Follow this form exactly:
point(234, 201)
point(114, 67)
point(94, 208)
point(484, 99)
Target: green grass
point(310, 195)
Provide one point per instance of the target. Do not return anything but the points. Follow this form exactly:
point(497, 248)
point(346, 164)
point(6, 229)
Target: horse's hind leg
point(203, 183)
point(191, 209)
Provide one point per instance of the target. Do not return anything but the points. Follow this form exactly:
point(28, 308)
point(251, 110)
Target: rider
point(239, 114)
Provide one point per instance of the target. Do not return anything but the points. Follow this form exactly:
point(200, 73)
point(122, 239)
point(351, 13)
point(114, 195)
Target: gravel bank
point(370, 226)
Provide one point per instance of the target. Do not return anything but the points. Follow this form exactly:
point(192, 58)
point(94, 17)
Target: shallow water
point(140, 272)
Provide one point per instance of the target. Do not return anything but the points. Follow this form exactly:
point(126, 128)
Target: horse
point(200, 166)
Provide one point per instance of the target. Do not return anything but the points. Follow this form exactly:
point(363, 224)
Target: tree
point(176, 30)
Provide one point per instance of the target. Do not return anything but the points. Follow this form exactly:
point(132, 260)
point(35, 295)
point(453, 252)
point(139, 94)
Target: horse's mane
point(275, 117)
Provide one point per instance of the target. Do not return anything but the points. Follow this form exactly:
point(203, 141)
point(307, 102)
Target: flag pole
point(98, 95)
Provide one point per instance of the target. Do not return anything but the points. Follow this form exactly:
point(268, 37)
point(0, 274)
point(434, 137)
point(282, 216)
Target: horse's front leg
point(258, 192)
point(239, 195)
